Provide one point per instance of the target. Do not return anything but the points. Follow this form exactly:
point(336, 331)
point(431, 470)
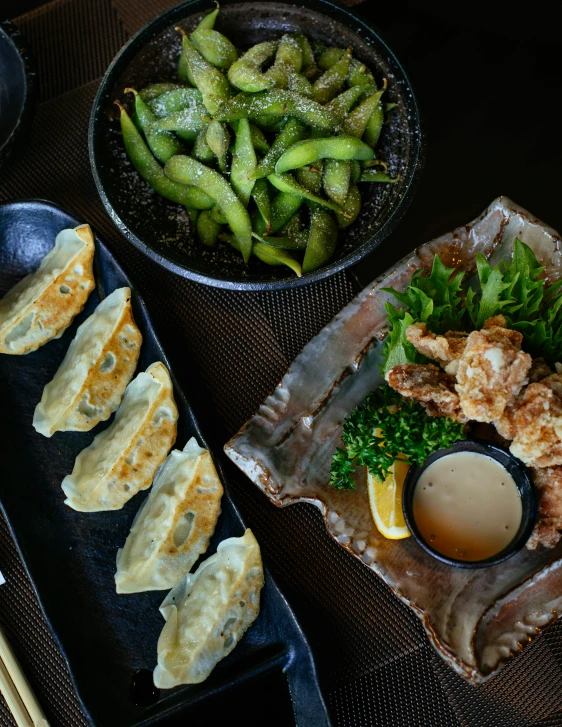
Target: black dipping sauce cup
point(521, 478)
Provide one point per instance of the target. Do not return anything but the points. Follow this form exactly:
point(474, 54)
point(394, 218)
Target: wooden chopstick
point(17, 692)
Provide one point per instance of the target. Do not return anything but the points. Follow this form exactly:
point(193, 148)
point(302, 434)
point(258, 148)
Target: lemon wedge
point(385, 499)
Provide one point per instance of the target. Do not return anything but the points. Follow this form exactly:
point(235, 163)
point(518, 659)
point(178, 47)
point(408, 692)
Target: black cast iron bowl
point(161, 229)
point(524, 484)
point(17, 88)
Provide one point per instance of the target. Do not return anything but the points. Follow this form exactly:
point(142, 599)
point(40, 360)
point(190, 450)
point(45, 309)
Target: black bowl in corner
point(521, 478)
point(17, 88)
point(161, 229)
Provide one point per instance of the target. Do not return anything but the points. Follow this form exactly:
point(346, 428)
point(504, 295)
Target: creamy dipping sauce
point(467, 506)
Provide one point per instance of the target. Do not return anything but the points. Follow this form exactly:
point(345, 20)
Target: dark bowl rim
point(177, 13)
point(20, 43)
point(524, 484)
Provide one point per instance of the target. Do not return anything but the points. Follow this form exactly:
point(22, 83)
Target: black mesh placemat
point(374, 661)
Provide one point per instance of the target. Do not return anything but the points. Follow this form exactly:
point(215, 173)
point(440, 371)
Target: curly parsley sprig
point(387, 427)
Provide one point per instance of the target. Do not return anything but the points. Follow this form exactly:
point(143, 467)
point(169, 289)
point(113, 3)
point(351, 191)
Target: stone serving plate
point(476, 619)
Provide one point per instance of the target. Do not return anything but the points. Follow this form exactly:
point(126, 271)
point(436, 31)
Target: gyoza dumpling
point(98, 365)
point(123, 459)
point(208, 612)
point(42, 305)
point(174, 525)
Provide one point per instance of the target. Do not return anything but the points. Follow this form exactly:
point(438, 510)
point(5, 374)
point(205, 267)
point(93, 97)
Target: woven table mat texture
point(375, 664)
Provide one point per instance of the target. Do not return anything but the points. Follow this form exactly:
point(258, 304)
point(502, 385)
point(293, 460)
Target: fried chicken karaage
point(429, 385)
point(446, 349)
point(549, 484)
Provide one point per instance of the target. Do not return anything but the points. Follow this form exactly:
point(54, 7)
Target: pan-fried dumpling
point(123, 459)
point(208, 612)
point(42, 305)
point(98, 365)
point(174, 525)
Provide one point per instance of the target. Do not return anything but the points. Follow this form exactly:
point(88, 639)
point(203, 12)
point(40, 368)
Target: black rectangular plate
point(70, 556)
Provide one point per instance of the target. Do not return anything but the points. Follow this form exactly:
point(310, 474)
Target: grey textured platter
point(476, 619)
point(109, 640)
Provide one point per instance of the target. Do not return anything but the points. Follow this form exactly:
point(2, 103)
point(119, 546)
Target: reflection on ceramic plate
point(475, 619)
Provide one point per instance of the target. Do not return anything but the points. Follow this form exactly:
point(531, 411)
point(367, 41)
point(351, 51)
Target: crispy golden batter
point(491, 372)
point(549, 484)
point(446, 349)
point(430, 386)
point(534, 423)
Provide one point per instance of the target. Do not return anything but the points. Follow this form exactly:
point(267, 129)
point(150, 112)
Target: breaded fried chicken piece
point(491, 372)
point(446, 349)
point(505, 425)
point(534, 423)
point(549, 484)
point(430, 386)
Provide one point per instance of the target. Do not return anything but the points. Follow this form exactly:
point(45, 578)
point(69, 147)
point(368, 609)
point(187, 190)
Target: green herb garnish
point(514, 289)
point(387, 427)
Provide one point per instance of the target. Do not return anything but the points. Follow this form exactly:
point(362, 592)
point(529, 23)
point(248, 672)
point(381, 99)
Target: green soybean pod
point(374, 126)
point(157, 89)
point(311, 150)
point(260, 195)
point(243, 162)
point(183, 71)
point(275, 256)
point(283, 207)
point(285, 243)
point(336, 179)
point(370, 175)
point(175, 100)
point(356, 122)
point(201, 150)
point(309, 68)
point(261, 145)
point(207, 228)
point(208, 21)
point(322, 240)
point(351, 206)
point(209, 80)
point(218, 215)
point(149, 169)
point(193, 214)
point(332, 80)
point(358, 73)
point(329, 57)
point(292, 132)
point(288, 59)
point(189, 122)
point(310, 177)
point(269, 123)
point(355, 171)
point(286, 183)
point(297, 83)
point(162, 144)
point(214, 47)
point(342, 104)
point(218, 139)
point(246, 73)
point(277, 102)
point(185, 170)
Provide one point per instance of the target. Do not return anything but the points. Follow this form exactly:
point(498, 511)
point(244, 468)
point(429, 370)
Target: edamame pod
point(336, 178)
point(201, 150)
point(309, 151)
point(374, 126)
point(189, 121)
point(330, 82)
point(268, 254)
point(207, 228)
point(299, 84)
point(208, 79)
point(260, 195)
point(356, 122)
point(355, 171)
point(283, 207)
point(246, 72)
point(370, 175)
point(342, 104)
point(288, 59)
point(292, 132)
point(157, 89)
point(207, 22)
point(218, 215)
point(322, 240)
point(358, 72)
point(162, 144)
point(183, 72)
point(243, 162)
point(309, 68)
point(218, 139)
point(277, 102)
point(185, 170)
point(149, 169)
point(286, 183)
point(352, 206)
point(284, 243)
point(310, 177)
point(214, 47)
point(175, 100)
point(261, 145)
